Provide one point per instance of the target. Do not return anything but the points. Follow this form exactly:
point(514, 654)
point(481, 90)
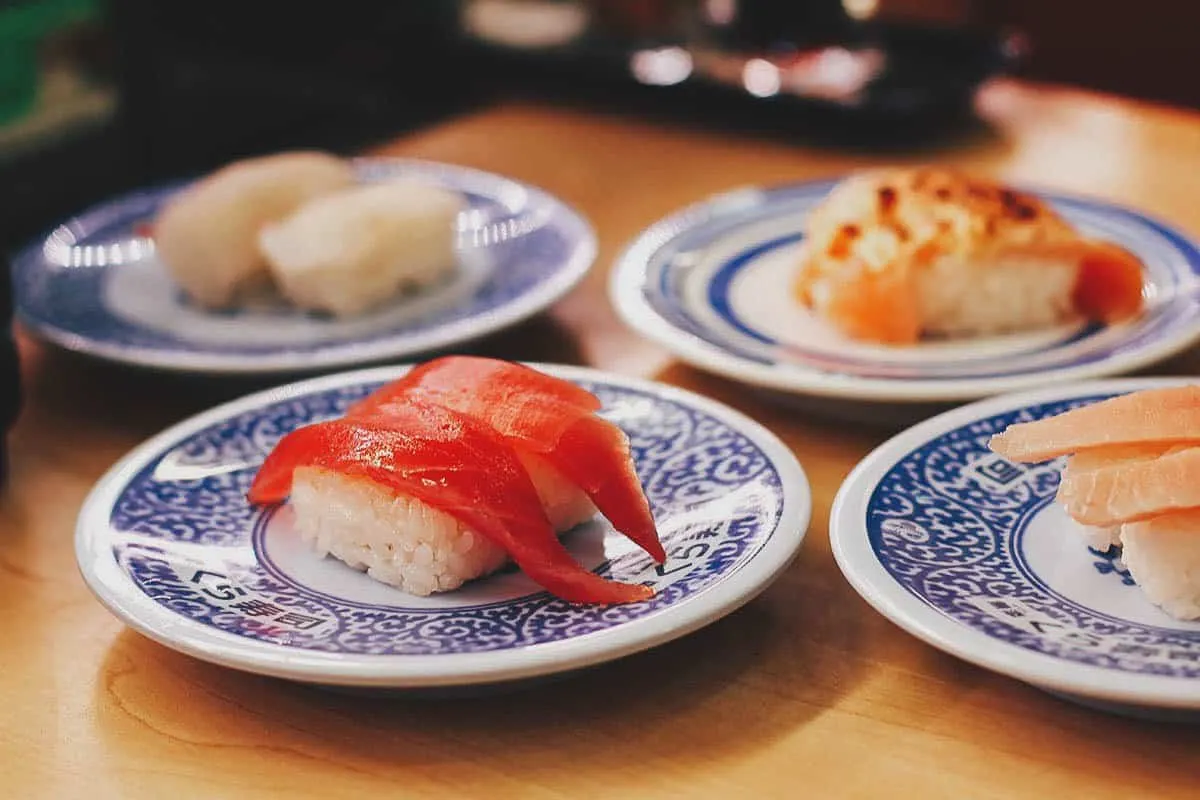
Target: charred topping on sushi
point(840, 246)
point(887, 199)
point(1025, 212)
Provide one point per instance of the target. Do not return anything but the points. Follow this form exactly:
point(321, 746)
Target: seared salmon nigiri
point(894, 255)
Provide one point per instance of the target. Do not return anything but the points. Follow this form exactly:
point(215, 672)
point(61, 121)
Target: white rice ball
point(400, 541)
point(207, 235)
point(1163, 556)
point(353, 250)
point(958, 297)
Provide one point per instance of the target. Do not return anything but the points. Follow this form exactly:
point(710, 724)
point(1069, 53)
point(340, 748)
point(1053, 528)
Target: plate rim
point(356, 352)
point(114, 589)
point(856, 560)
point(629, 276)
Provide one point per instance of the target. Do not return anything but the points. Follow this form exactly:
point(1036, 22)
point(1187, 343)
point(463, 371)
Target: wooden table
point(804, 693)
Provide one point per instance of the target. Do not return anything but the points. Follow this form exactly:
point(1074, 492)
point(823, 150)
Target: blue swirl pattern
point(715, 494)
point(947, 523)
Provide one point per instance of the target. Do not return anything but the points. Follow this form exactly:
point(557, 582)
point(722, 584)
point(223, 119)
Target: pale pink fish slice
point(1153, 416)
point(1103, 491)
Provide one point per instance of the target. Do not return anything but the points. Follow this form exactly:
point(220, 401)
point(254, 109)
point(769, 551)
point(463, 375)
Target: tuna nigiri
point(424, 499)
point(1132, 480)
point(551, 424)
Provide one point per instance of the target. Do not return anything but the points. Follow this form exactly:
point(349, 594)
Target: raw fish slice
point(1154, 416)
point(1115, 455)
point(1132, 490)
point(455, 375)
point(448, 461)
point(539, 416)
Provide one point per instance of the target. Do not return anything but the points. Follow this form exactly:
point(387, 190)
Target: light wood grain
point(806, 692)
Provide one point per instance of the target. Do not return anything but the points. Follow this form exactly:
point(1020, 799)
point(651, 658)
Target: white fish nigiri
point(207, 235)
point(352, 250)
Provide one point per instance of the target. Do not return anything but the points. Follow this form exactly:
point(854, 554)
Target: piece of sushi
point(207, 234)
point(894, 255)
point(353, 250)
point(1132, 480)
point(552, 425)
point(426, 501)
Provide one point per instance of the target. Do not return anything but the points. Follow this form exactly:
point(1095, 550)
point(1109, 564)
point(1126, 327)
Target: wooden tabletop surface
point(806, 692)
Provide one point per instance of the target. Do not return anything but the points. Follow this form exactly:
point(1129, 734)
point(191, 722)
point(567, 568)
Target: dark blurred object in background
point(1145, 49)
point(134, 91)
point(10, 375)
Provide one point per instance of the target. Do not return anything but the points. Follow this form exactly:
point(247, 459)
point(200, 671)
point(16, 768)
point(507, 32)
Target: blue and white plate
point(970, 552)
point(94, 285)
point(714, 284)
point(168, 542)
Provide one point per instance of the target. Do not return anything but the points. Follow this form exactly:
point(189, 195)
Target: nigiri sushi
point(207, 235)
point(1132, 480)
point(583, 459)
point(895, 255)
point(424, 499)
point(350, 251)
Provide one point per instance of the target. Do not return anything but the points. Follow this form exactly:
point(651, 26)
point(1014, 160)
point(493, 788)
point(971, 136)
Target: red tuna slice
point(455, 464)
point(588, 451)
point(464, 375)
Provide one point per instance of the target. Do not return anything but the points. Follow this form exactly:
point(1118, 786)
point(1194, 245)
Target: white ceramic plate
point(713, 284)
point(970, 552)
point(168, 542)
point(94, 286)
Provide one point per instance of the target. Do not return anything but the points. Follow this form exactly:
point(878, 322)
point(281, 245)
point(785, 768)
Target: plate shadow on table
point(539, 339)
point(731, 687)
point(142, 401)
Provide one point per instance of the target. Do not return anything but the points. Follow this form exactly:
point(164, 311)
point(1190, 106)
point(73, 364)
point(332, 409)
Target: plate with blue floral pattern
point(713, 283)
point(95, 285)
point(972, 554)
point(168, 542)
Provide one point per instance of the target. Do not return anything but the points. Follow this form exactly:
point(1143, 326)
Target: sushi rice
point(398, 540)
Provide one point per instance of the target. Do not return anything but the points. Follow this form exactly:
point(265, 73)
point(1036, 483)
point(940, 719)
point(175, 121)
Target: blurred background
point(97, 97)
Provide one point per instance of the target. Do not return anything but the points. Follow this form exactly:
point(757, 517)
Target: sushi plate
point(95, 286)
point(970, 553)
point(168, 543)
point(713, 284)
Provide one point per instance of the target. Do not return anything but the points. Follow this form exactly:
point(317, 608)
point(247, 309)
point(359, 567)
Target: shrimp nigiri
point(1132, 480)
